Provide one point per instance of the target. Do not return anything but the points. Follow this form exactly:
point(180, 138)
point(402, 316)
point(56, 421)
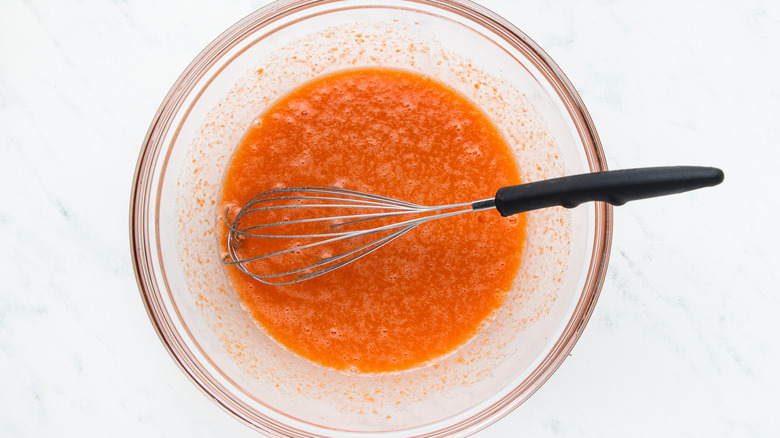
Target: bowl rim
point(143, 192)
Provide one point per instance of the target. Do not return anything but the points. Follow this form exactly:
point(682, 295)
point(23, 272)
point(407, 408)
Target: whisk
point(375, 221)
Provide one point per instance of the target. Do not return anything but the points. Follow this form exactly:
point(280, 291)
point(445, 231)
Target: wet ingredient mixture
point(396, 134)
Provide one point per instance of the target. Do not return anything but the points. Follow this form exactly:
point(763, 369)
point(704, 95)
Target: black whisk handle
point(615, 187)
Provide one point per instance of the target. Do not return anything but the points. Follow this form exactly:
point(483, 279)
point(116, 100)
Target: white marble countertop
point(683, 341)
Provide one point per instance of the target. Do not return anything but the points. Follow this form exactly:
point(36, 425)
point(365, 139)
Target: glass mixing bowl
point(176, 189)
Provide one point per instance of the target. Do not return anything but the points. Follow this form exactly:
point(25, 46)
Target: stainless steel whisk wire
point(338, 198)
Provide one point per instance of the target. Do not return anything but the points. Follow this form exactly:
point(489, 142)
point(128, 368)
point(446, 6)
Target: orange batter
point(405, 136)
